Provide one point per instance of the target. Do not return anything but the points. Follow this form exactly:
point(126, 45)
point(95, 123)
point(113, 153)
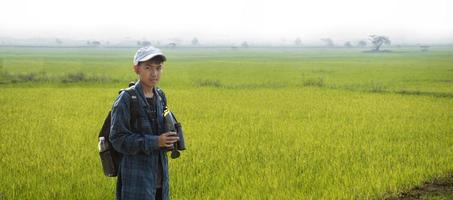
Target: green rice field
point(260, 123)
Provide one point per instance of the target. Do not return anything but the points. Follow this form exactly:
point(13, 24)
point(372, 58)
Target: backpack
point(110, 158)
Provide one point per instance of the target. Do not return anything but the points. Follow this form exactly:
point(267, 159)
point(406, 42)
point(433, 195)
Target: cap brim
point(152, 56)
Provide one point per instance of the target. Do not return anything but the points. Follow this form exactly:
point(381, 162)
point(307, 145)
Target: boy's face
point(149, 72)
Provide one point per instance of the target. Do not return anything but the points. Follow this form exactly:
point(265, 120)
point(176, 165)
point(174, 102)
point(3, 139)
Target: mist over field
point(225, 23)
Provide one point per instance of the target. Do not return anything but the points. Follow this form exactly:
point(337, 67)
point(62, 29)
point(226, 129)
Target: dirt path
point(440, 188)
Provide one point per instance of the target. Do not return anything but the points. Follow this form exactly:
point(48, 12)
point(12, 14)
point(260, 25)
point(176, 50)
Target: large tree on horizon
point(378, 41)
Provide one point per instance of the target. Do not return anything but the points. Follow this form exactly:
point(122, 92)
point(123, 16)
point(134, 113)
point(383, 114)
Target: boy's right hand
point(167, 139)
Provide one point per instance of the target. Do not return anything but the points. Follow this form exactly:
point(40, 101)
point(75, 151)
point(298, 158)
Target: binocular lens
point(175, 154)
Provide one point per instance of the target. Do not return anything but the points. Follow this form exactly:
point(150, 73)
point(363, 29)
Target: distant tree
point(139, 43)
point(172, 45)
point(58, 41)
point(362, 43)
point(195, 41)
point(177, 41)
point(96, 43)
point(88, 42)
point(146, 43)
point(347, 44)
point(378, 41)
point(328, 42)
point(245, 44)
point(424, 47)
point(298, 42)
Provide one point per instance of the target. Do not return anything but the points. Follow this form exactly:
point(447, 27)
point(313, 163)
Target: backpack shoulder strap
point(162, 97)
point(134, 108)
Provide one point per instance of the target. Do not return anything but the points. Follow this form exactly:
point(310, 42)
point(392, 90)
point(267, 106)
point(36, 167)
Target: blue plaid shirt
point(138, 167)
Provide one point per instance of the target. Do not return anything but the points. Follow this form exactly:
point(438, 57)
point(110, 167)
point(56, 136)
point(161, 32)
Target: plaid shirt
point(139, 164)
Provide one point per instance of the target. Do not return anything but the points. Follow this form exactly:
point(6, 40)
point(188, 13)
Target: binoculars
point(171, 124)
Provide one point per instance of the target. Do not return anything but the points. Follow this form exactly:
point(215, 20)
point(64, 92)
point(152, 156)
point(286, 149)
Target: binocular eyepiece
point(171, 124)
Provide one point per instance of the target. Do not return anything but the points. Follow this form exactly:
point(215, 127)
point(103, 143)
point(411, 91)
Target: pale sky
point(411, 20)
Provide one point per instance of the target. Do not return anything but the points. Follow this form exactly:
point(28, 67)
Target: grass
point(259, 123)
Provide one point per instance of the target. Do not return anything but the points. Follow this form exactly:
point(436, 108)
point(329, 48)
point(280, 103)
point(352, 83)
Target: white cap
point(146, 53)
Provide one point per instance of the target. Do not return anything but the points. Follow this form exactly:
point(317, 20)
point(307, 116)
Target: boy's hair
point(156, 59)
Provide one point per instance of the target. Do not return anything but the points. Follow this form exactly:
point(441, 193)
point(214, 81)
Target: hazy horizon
point(405, 21)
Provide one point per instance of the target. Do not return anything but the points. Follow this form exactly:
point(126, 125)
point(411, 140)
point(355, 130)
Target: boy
point(143, 170)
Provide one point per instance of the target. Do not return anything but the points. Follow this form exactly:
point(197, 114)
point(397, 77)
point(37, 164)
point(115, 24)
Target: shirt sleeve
point(121, 136)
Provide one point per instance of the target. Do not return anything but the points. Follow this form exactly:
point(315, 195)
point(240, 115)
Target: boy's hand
point(167, 139)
